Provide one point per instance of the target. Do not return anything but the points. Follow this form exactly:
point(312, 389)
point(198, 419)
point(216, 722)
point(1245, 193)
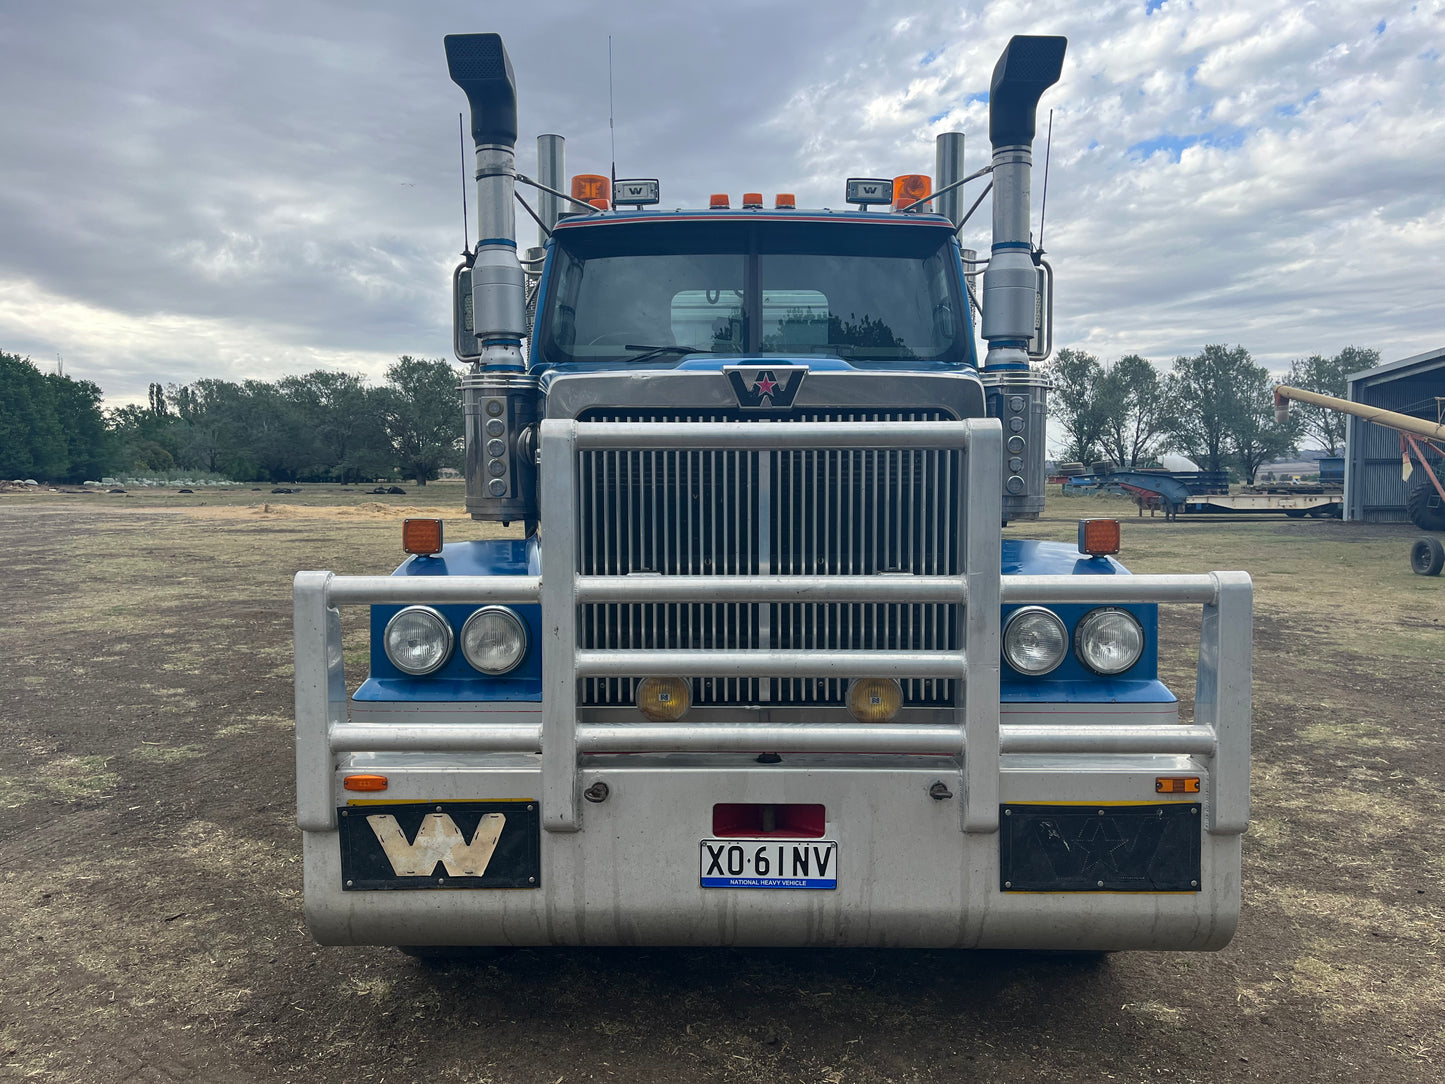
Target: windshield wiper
point(654, 351)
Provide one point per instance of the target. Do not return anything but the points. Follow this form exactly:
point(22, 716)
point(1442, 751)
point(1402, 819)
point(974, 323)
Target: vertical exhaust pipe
point(1028, 67)
point(947, 170)
point(499, 397)
point(1015, 395)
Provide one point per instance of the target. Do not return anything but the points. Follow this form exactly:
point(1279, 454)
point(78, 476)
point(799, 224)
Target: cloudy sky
point(259, 188)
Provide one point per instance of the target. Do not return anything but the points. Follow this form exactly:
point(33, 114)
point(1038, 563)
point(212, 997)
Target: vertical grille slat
point(827, 511)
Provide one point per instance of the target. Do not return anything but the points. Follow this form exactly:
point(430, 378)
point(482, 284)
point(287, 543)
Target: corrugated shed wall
point(1374, 491)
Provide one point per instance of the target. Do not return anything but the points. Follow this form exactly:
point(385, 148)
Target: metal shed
point(1374, 490)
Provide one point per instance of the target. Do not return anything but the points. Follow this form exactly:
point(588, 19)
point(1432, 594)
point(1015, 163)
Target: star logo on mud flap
point(766, 389)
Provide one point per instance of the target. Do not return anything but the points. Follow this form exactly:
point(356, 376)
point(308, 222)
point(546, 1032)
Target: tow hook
point(597, 792)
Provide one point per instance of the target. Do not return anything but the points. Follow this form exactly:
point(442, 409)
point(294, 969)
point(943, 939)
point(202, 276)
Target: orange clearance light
point(718, 201)
point(600, 204)
point(590, 186)
point(421, 536)
point(1098, 537)
point(1177, 784)
point(752, 199)
point(910, 188)
point(364, 782)
point(786, 200)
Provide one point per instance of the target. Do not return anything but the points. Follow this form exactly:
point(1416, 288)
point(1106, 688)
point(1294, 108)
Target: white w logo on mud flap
point(438, 840)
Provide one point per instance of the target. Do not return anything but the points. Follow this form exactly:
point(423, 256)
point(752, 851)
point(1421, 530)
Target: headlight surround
point(418, 640)
point(1109, 641)
point(494, 640)
point(1035, 640)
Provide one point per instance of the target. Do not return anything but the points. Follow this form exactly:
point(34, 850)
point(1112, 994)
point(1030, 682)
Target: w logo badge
point(438, 840)
point(448, 845)
point(766, 389)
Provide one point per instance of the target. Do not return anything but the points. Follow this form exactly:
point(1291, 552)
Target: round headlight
point(418, 640)
point(494, 640)
point(874, 700)
point(1109, 641)
point(1035, 640)
point(664, 699)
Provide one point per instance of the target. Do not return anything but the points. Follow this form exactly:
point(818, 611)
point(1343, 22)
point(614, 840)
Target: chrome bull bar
point(1221, 730)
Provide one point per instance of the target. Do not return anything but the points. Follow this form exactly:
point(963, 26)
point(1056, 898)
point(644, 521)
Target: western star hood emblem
point(771, 388)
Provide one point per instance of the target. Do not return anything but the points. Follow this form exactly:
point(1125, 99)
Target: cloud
point(261, 188)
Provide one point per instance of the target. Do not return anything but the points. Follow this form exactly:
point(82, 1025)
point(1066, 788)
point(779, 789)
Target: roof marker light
point(910, 188)
point(752, 199)
point(786, 200)
point(1098, 537)
point(422, 537)
point(600, 204)
point(718, 201)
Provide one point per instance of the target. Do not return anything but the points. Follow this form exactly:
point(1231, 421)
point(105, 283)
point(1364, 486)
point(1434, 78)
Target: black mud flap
point(1103, 848)
point(440, 845)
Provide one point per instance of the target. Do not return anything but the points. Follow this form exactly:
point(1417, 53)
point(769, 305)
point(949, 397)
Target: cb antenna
point(611, 127)
point(466, 229)
point(1044, 203)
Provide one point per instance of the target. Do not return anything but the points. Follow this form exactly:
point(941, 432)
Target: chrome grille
point(825, 512)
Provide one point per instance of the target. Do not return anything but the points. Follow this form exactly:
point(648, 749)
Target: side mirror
point(1042, 343)
point(464, 337)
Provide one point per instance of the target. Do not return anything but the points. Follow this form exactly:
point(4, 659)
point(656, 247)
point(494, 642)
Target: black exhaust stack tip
point(478, 63)
point(1028, 67)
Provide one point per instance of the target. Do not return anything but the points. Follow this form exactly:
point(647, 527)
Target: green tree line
point(321, 426)
point(1216, 407)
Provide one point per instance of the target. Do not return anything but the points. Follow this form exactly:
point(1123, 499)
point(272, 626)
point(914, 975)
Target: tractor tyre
point(1425, 508)
point(1427, 556)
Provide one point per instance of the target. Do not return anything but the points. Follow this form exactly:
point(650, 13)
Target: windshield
point(664, 288)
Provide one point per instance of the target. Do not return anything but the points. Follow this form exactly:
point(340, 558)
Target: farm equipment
point(1422, 446)
point(759, 667)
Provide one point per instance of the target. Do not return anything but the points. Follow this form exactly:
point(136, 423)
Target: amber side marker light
point(422, 537)
point(1098, 537)
point(1177, 784)
point(364, 782)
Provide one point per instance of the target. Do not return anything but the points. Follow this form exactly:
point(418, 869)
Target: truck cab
point(757, 665)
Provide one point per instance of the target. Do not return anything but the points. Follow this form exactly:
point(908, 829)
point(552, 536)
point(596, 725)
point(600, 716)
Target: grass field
point(150, 879)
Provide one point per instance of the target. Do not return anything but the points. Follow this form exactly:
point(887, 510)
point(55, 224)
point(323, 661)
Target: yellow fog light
point(874, 700)
point(664, 699)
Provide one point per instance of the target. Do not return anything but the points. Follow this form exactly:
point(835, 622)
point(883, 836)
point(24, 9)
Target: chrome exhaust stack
point(1012, 285)
point(499, 397)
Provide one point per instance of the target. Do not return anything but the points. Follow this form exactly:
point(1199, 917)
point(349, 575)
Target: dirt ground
point(150, 908)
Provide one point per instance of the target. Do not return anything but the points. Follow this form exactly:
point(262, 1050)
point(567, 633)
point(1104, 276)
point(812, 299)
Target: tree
point(89, 447)
point(1130, 402)
point(1220, 407)
point(422, 409)
point(1074, 402)
point(32, 443)
point(1327, 376)
point(350, 438)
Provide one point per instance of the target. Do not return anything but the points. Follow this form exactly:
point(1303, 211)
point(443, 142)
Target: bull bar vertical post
point(559, 503)
point(980, 514)
point(1222, 698)
point(320, 697)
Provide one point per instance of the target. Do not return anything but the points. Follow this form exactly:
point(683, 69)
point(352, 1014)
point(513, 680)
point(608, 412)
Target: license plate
point(771, 863)
point(421, 845)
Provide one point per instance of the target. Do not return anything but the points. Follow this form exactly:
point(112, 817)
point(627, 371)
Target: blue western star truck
point(755, 664)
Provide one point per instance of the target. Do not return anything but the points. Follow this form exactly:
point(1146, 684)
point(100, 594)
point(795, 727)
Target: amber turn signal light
point(364, 782)
point(1177, 784)
point(421, 536)
point(1098, 537)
